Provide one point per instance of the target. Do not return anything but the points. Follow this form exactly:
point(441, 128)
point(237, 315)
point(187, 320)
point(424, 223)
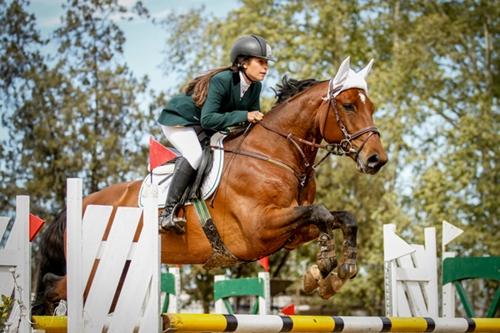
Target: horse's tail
point(51, 263)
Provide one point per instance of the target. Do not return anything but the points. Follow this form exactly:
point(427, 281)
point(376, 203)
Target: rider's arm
point(212, 113)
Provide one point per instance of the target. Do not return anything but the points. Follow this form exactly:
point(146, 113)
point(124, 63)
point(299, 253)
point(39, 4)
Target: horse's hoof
point(347, 271)
point(311, 279)
point(327, 286)
point(325, 291)
point(326, 265)
point(331, 285)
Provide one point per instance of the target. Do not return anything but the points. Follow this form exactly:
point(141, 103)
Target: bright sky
point(145, 42)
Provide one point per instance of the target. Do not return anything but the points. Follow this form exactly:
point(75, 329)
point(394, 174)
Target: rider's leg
point(184, 139)
point(182, 177)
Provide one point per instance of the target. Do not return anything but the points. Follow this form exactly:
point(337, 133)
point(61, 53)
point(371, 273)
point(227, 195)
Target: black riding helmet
point(251, 45)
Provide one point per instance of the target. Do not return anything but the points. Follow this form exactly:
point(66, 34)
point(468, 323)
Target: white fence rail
point(15, 266)
point(411, 275)
point(116, 269)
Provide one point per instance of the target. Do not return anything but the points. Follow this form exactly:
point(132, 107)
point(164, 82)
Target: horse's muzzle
point(372, 164)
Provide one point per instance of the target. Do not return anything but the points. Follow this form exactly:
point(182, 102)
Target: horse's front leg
point(347, 223)
point(322, 275)
point(326, 258)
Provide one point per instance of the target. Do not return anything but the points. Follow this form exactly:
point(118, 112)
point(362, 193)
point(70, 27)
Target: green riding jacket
point(223, 107)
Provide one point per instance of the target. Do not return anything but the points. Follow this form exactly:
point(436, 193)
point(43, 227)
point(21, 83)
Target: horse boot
point(181, 179)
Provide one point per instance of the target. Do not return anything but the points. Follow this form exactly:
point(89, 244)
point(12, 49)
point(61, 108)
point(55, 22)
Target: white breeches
point(185, 140)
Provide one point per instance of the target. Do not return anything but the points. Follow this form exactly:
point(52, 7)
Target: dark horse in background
point(265, 200)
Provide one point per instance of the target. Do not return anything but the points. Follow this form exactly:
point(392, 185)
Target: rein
point(342, 148)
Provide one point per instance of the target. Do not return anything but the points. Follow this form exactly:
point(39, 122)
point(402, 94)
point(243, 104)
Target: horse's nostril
point(373, 160)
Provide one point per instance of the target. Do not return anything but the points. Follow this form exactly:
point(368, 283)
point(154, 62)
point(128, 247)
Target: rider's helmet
point(251, 45)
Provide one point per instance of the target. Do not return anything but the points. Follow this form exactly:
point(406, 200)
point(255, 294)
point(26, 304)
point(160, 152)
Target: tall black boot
point(181, 179)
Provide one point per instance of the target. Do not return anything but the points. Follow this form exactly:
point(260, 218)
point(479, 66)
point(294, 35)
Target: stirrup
point(172, 222)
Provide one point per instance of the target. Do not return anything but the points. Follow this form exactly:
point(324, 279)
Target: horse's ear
point(342, 73)
point(365, 71)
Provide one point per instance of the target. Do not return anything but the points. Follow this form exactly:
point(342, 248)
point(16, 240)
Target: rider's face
point(256, 69)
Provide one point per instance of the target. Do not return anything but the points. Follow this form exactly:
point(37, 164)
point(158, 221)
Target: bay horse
point(265, 200)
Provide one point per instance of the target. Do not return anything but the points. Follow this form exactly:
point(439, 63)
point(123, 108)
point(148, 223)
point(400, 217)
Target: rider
point(223, 97)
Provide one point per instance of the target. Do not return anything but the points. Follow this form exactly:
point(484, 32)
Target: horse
point(265, 199)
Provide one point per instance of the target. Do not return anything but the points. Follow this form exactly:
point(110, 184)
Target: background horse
point(265, 199)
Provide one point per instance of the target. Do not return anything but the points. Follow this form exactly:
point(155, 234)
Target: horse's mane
point(291, 87)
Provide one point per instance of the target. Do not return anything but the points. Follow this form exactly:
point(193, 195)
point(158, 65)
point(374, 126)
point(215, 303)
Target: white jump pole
point(394, 248)
point(265, 302)
point(449, 233)
point(24, 248)
point(74, 272)
point(152, 321)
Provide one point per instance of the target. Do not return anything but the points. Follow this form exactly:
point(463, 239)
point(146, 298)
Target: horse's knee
point(347, 218)
point(318, 214)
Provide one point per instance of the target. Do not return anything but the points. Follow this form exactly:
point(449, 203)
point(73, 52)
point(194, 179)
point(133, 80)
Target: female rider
point(223, 97)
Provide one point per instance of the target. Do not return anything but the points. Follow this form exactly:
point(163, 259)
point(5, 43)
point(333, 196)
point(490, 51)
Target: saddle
point(207, 177)
point(205, 184)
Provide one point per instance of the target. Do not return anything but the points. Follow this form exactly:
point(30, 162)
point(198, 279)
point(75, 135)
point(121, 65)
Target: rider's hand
point(254, 116)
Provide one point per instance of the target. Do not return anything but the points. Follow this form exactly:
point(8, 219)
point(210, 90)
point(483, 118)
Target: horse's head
point(346, 119)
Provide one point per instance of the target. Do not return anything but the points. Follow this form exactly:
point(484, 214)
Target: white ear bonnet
point(346, 78)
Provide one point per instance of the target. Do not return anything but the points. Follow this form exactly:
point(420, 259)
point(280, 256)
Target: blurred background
point(83, 81)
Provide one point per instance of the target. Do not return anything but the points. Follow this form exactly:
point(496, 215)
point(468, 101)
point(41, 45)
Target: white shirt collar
point(243, 84)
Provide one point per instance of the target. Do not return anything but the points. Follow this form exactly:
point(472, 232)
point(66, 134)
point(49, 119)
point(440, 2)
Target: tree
point(78, 116)
point(106, 115)
point(21, 65)
point(435, 83)
point(288, 26)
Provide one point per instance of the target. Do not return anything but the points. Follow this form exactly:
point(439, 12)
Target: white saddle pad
point(162, 175)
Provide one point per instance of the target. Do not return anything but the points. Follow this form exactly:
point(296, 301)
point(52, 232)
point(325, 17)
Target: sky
point(144, 41)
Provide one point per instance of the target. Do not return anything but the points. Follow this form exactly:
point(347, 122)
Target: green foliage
point(20, 61)
point(435, 82)
point(106, 114)
point(5, 310)
point(73, 113)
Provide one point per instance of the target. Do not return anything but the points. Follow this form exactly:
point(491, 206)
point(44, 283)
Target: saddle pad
point(163, 178)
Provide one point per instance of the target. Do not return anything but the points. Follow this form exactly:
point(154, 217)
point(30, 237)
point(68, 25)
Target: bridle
point(343, 148)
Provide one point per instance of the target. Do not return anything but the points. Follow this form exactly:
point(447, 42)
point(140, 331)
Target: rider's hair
point(198, 87)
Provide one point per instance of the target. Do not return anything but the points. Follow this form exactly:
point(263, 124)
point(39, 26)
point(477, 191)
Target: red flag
point(158, 154)
point(288, 310)
point(36, 224)
point(264, 262)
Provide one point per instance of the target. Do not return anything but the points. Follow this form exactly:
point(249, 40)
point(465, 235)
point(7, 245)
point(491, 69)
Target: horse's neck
point(297, 117)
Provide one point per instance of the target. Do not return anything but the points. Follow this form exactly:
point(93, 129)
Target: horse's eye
point(348, 107)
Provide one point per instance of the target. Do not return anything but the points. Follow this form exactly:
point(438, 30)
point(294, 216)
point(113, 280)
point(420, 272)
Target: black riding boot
point(182, 177)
